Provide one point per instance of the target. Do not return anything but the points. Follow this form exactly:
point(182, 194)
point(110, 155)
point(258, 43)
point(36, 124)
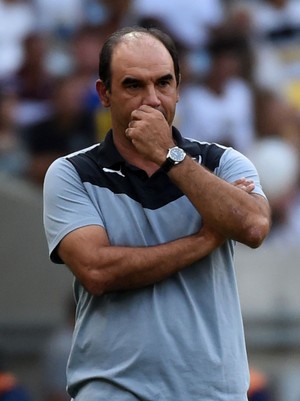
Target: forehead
point(141, 52)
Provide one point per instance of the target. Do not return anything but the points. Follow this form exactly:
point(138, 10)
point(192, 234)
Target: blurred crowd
point(240, 62)
point(240, 87)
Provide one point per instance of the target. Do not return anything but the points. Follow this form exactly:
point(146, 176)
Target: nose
point(151, 97)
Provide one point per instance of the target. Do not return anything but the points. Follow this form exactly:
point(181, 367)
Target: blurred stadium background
point(245, 52)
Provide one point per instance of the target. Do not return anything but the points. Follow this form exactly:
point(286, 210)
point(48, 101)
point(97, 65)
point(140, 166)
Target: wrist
point(174, 157)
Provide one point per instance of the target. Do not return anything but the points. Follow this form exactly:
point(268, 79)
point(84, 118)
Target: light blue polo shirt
point(178, 340)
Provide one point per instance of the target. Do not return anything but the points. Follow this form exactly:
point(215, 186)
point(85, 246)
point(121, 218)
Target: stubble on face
point(143, 57)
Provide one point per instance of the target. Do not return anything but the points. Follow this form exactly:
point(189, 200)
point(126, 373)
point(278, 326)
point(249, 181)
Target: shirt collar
point(108, 154)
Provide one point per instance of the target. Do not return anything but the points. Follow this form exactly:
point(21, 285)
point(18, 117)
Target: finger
point(240, 181)
point(139, 113)
point(132, 124)
point(144, 110)
point(247, 188)
point(128, 133)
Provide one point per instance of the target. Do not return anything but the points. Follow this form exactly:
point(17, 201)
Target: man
point(146, 221)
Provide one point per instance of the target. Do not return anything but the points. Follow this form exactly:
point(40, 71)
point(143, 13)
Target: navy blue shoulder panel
point(208, 153)
point(86, 164)
point(120, 178)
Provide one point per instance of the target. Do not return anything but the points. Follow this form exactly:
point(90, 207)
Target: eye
point(133, 85)
point(163, 83)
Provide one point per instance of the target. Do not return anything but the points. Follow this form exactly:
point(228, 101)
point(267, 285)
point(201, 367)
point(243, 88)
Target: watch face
point(177, 154)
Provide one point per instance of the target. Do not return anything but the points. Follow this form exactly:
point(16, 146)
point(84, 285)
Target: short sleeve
point(67, 205)
point(234, 165)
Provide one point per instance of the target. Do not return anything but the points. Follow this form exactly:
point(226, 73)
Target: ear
point(177, 96)
point(177, 89)
point(103, 93)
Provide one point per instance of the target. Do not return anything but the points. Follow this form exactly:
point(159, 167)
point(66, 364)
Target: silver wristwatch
point(175, 156)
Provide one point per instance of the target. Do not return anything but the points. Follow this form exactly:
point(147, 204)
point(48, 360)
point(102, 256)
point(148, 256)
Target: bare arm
point(103, 268)
point(233, 213)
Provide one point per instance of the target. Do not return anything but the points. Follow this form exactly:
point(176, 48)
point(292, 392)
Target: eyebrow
point(167, 77)
point(131, 80)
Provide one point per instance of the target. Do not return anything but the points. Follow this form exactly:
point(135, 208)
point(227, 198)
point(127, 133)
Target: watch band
point(167, 165)
point(175, 156)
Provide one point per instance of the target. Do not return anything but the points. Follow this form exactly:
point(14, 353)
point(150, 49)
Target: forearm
point(234, 213)
point(113, 268)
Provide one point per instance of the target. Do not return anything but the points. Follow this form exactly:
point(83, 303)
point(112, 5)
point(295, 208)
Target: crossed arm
point(228, 211)
point(102, 268)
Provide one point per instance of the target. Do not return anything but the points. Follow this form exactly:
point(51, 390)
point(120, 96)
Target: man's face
point(142, 73)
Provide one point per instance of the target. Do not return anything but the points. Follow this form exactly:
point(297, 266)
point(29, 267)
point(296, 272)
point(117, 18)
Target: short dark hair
point(115, 38)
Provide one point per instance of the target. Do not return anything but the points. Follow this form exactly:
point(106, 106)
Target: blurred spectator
point(278, 166)
point(17, 21)
point(118, 13)
point(220, 108)
point(259, 387)
point(10, 387)
point(275, 28)
point(32, 82)
point(276, 117)
point(276, 154)
point(56, 357)
point(13, 158)
point(188, 21)
point(58, 21)
point(275, 20)
point(86, 46)
point(69, 128)
point(59, 18)
point(94, 12)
